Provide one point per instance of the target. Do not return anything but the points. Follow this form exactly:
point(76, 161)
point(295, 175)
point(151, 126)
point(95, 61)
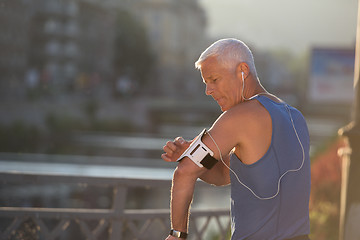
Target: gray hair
point(229, 52)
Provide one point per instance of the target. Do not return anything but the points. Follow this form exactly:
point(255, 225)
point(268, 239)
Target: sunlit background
point(96, 88)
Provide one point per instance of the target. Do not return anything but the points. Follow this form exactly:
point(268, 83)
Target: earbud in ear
point(242, 75)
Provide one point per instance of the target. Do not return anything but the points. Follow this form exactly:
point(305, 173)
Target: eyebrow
point(212, 76)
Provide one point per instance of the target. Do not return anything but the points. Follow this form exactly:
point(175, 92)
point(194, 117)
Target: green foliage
point(216, 236)
point(325, 221)
point(117, 125)
point(90, 108)
point(59, 132)
point(132, 50)
point(57, 138)
point(325, 192)
point(322, 148)
point(19, 137)
point(64, 124)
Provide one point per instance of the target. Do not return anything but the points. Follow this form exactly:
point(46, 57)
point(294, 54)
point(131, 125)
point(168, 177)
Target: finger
point(168, 151)
point(166, 158)
point(171, 145)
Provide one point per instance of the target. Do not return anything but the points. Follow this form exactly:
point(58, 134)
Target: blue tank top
point(287, 214)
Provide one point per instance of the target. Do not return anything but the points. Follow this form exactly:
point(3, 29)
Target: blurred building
point(176, 31)
point(51, 42)
point(13, 43)
point(54, 42)
point(53, 32)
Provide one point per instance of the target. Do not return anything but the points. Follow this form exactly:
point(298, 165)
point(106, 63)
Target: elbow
point(182, 173)
point(187, 170)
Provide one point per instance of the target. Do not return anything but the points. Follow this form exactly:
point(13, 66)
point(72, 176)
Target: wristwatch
point(178, 234)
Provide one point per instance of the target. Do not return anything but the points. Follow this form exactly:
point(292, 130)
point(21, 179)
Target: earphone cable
point(290, 170)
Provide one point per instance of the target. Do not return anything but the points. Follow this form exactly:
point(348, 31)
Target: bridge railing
point(115, 222)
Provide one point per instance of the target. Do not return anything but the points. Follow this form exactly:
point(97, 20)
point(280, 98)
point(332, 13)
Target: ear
point(242, 68)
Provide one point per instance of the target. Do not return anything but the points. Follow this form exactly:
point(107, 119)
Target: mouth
point(218, 100)
point(221, 103)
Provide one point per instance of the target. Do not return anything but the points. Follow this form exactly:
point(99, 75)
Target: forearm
point(181, 196)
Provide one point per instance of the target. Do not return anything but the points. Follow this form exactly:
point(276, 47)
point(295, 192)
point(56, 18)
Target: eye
point(210, 81)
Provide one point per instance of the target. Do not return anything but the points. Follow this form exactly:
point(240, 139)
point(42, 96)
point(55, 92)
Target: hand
point(174, 149)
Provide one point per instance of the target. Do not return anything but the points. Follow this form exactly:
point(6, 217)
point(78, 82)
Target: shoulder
point(243, 120)
point(244, 114)
point(241, 127)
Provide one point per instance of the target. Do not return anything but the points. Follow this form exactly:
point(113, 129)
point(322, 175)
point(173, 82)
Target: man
point(262, 145)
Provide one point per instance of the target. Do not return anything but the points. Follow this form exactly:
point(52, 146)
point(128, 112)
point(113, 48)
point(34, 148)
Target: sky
point(291, 24)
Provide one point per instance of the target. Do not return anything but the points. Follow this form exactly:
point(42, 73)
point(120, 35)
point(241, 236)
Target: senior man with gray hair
point(259, 145)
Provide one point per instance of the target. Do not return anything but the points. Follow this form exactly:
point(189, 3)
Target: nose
point(208, 90)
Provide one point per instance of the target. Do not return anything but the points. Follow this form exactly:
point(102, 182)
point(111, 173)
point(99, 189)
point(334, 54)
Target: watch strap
point(178, 234)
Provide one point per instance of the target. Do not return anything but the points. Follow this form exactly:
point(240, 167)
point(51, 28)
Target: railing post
point(119, 199)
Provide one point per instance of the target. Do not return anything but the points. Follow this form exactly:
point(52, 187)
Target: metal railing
point(115, 222)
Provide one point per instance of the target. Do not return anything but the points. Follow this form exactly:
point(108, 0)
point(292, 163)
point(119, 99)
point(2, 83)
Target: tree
point(132, 57)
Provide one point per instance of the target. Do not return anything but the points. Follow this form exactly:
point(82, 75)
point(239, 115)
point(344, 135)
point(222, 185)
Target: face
point(221, 83)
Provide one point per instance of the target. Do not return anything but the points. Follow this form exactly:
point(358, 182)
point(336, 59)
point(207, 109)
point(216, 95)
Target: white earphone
point(243, 86)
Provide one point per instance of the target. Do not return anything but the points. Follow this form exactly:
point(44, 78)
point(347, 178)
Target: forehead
point(211, 67)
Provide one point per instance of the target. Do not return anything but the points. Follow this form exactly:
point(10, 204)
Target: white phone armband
point(199, 153)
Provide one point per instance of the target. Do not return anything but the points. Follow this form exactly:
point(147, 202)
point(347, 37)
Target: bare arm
point(184, 179)
point(219, 174)
point(183, 184)
point(187, 172)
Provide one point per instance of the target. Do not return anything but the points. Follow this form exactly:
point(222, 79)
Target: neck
point(251, 90)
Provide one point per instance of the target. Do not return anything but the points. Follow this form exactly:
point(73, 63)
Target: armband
point(199, 153)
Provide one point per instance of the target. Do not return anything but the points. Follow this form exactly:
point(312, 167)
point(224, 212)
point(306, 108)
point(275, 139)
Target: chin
point(223, 109)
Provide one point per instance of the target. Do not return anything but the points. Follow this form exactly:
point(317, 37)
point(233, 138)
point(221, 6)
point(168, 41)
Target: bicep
point(219, 174)
point(222, 137)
